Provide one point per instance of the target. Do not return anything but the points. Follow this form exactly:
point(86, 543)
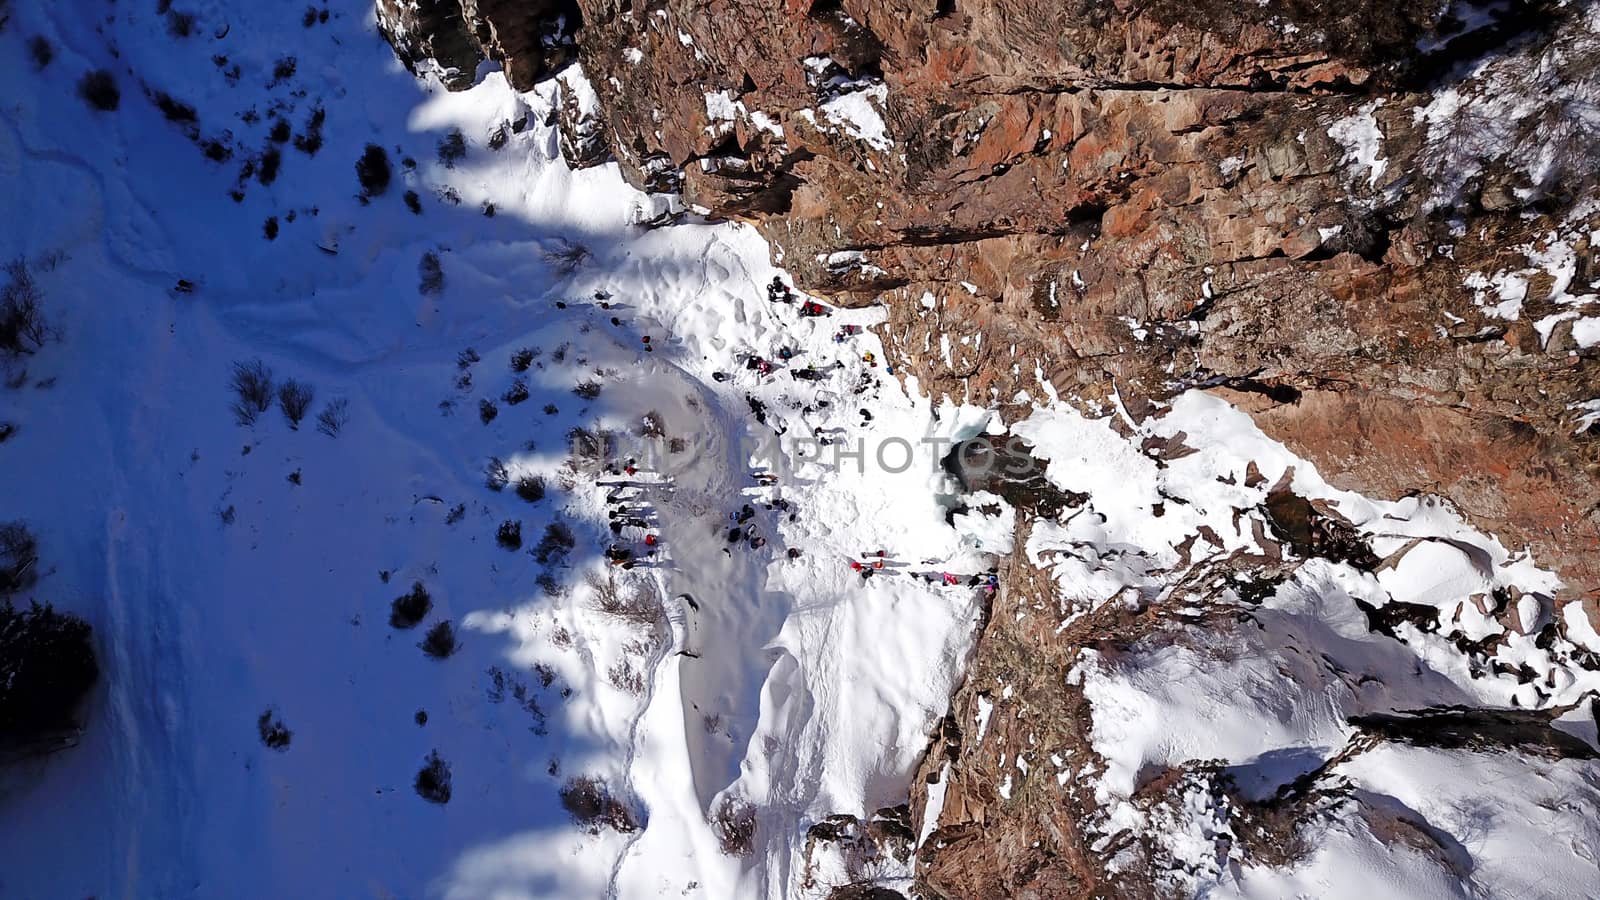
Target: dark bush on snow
point(735, 824)
point(47, 664)
point(588, 390)
point(99, 90)
point(452, 148)
point(590, 802)
point(430, 274)
point(267, 168)
point(495, 476)
point(567, 257)
point(487, 411)
point(632, 602)
point(274, 733)
point(517, 393)
point(433, 780)
point(252, 389)
point(510, 535)
point(19, 558)
point(413, 202)
point(311, 141)
point(23, 326)
point(530, 488)
point(440, 641)
point(557, 542)
point(39, 48)
point(522, 359)
point(410, 608)
point(373, 171)
point(175, 110)
point(294, 398)
point(180, 24)
point(333, 416)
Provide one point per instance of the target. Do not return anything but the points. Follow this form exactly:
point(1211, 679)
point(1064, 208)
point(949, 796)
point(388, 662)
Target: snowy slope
point(219, 588)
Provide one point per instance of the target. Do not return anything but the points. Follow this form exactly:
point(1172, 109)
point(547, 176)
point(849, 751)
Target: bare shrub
point(440, 641)
point(452, 148)
point(626, 678)
point(433, 780)
point(19, 558)
point(99, 89)
point(47, 664)
point(509, 535)
point(252, 388)
point(522, 359)
point(267, 166)
point(515, 394)
point(591, 804)
point(430, 274)
point(549, 585)
point(589, 450)
point(410, 608)
point(373, 171)
point(487, 411)
point(23, 327)
point(274, 733)
point(567, 257)
point(495, 475)
point(588, 390)
point(631, 601)
point(294, 398)
point(333, 416)
point(557, 542)
point(180, 24)
point(40, 50)
point(734, 822)
point(531, 488)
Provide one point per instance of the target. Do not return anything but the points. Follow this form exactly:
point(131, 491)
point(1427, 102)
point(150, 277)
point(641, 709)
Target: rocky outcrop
point(528, 38)
point(1151, 197)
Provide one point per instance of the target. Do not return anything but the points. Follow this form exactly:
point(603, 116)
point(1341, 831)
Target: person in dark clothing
point(733, 535)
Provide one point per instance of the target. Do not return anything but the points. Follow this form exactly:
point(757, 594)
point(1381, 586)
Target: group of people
point(743, 530)
point(778, 292)
point(873, 563)
point(629, 510)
